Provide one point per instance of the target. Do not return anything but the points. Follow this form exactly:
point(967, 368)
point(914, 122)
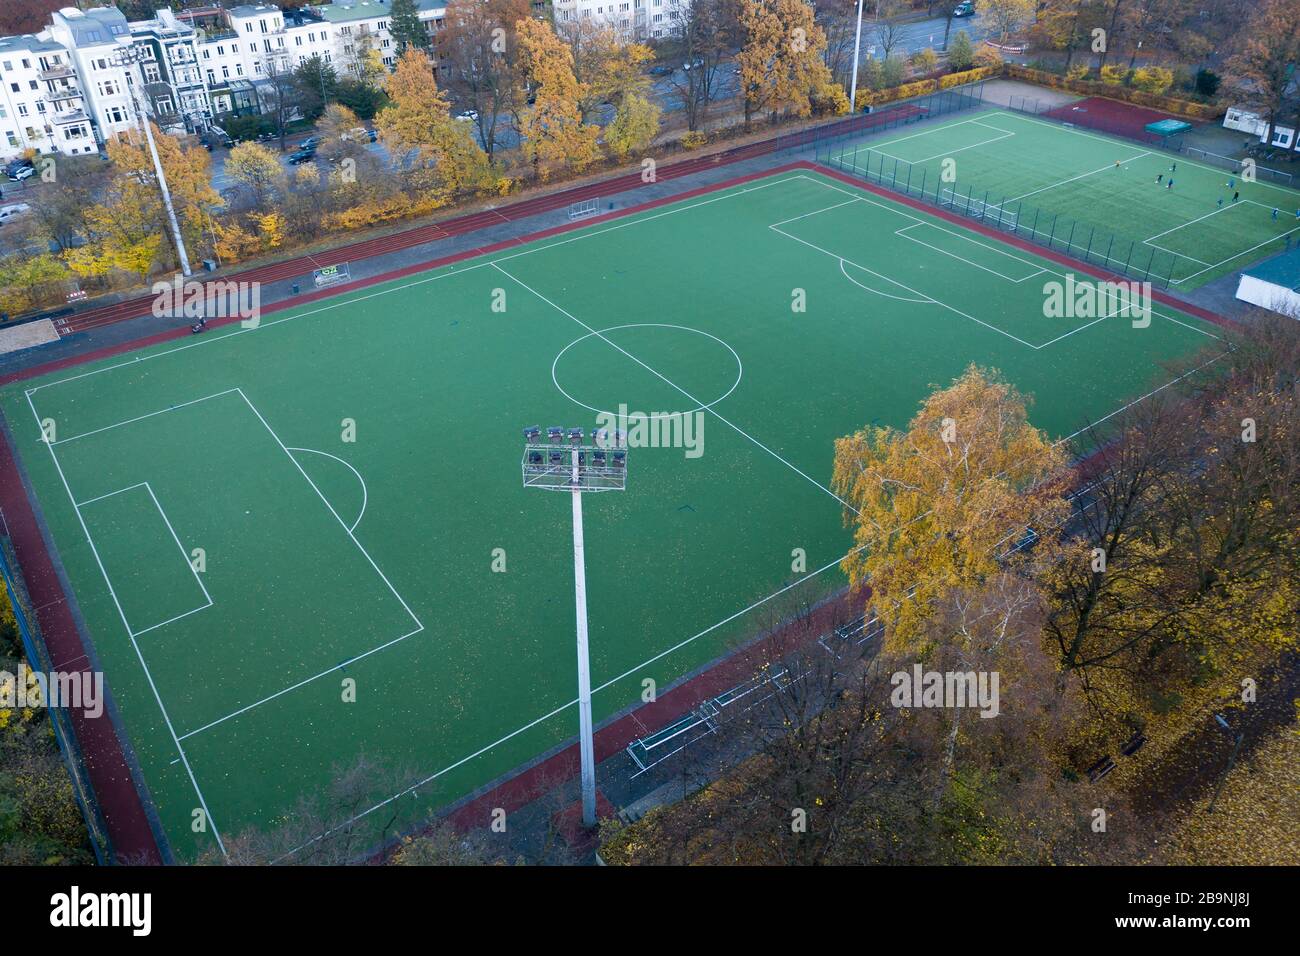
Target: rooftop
point(28, 42)
point(1282, 270)
point(342, 11)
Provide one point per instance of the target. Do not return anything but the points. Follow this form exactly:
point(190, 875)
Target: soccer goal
point(583, 209)
point(978, 209)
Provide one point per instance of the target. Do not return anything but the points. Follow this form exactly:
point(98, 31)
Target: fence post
point(1110, 245)
point(1069, 243)
point(1089, 249)
point(1130, 257)
point(1033, 232)
point(1147, 275)
point(1052, 235)
point(923, 171)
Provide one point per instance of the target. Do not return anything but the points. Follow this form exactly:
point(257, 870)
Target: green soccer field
point(1063, 183)
point(251, 517)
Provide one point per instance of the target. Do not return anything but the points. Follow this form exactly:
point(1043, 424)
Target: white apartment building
point(634, 19)
point(42, 105)
point(94, 40)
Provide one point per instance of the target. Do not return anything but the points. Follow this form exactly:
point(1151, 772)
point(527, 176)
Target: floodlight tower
point(130, 58)
point(577, 468)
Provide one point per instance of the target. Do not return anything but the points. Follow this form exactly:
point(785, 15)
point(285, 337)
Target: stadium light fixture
point(857, 49)
point(576, 468)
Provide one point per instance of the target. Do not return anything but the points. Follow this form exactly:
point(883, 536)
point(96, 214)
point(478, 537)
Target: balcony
point(61, 72)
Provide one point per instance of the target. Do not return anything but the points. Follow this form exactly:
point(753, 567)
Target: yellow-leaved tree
point(781, 62)
point(552, 127)
point(937, 507)
point(442, 160)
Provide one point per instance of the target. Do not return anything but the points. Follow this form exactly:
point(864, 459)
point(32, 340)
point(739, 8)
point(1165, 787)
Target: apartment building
point(634, 19)
point(42, 104)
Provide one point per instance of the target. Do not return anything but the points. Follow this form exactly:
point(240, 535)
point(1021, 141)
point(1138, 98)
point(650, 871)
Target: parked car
point(697, 62)
point(361, 135)
point(20, 169)
point(12, 210)
point(311, 142)
point(662, 69)
point(302, 155)
point(468, 116)
point(964, 9)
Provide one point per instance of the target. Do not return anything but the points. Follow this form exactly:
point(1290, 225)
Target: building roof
point(342, 11)
point(95, 26)
point(30, 43)
point(1282, 270)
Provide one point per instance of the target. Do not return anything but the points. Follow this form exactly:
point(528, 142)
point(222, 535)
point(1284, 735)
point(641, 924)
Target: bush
point(1079, 71)
point(1153, 79)
point(829, 99)
point(893, 70)
point(694, 139)
point(986, 56)
point(1114, 75)
point(967, 76)
point(1207, 83)
point(925, 61)
point(961, 52)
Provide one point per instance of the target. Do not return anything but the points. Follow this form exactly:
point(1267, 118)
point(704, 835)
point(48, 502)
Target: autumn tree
point(441, 158)
point(635, 125)
point(1267, 49)
point(1007, 16)
point(606, 68)
point(257, 170)
point(703, 38)
point(478, 53)
point(942, 504)
point(552, 128)
point(780, 64)
point(129, 224)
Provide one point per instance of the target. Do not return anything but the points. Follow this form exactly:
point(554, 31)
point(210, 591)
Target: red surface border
point(120, 803)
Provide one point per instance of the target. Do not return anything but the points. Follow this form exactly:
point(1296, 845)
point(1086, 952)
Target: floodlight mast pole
point(857, 47)
point(129, 57)
point(600, 467)
point(586, 745)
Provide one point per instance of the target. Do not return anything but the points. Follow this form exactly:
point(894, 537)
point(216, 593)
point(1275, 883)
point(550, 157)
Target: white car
point(468, 116)
point(13, 209)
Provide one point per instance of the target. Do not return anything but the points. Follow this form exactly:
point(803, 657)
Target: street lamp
point(562, 462)
point(1232, 759)
point(130, 57)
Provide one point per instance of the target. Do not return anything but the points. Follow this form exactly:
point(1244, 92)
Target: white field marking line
point(140, 418)
point(207, 814)
point(573, 703)
point(184, 557)
point(301, 683)
point(867, 288)
point(419, 627)
point(711, 410)
point(903, 232)
point(452, 271)
point(1094, 172)
point(902, 139)
point(1295, 196)
point(1046, 269)
point(342, 523)
point(91, 501)
point(937, 302)
point(1238, 255)
point(1177, 255)
point(817, 212)
point(365, 495)
point(1236, 205)
point(962, 149)
point(93, 550)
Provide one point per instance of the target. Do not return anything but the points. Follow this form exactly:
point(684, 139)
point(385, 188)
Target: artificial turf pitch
point(371, 560)
point(1059, 178)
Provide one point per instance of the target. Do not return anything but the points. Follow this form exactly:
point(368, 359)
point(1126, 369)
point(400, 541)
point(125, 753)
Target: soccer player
point(1236, 195)
point(1170, 184)
point(1159, 178)
point(1275, 213)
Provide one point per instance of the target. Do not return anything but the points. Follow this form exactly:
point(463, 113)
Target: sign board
point(331, 275)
